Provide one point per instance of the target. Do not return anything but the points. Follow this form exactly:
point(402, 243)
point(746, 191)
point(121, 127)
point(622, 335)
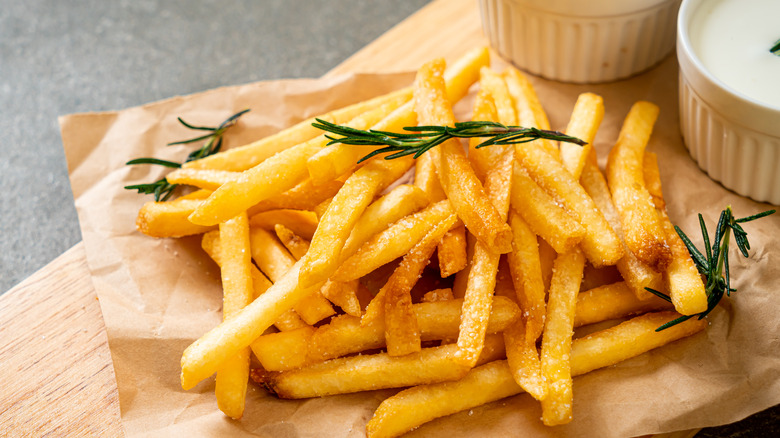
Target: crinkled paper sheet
point(159, 295)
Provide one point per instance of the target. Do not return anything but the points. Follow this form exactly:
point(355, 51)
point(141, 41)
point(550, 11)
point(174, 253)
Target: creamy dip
point(732, 39)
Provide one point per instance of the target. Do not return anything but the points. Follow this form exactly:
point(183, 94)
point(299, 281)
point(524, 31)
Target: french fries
point(642, 228)
point(297, 226)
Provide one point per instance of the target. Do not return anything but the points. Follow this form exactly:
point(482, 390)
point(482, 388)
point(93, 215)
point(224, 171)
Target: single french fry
point(528, 107)
point(204, 357)
point(392, 242)
point(613, 301)
point(523, 360)
point(369, 372)
point(295, 244)
point(401, 330)
point(413, 407)
point(496, 86)
point(637, 275)
point(247, 156)
point(322, 259)
point(543, 214)
point(276, 174)
point(284, 350)
point(288, 320)
point(600, 243)
point(235, 263)
point(526, 268)
point(275, 261)
point(169, 219)
point(208, 179)
point(641, 225)
point(338, 159)
point(682, 279)
point(585, 120)
point(301, 222)
point(401, 201)
point(556, 341)
point(452, 252)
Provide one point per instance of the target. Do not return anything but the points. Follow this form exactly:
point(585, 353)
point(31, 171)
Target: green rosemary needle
point(714, 263)
point(162, 189)
point(776, 48)
point(426, 137)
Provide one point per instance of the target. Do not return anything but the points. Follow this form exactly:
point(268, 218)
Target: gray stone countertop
point(61, 57)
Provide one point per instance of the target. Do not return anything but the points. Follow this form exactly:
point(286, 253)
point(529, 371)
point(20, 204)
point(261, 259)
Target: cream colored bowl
point(733, 137)
point(581, 41)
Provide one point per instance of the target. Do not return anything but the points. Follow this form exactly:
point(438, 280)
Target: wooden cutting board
point(57, 374)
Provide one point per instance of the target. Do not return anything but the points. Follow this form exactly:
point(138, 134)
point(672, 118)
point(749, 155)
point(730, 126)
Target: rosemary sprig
point(162, 189)
point(776, 48)
point(714, 263)
point(426, 137)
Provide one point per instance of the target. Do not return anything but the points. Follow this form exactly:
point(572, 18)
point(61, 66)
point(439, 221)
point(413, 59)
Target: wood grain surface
point(58, 378)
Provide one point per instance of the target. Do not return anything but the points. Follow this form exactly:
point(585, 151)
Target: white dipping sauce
point(733, 37)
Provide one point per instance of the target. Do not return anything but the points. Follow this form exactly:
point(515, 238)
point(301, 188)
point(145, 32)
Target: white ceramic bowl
point(581, 41)
point(733, 137)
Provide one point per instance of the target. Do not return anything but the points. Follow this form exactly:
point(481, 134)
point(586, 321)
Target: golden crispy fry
point(452, 252)
point(528, 107)
point(612, 301)
point(274, 260)
point(237, 288)
point(401, 201)
point(338, 159)
point(543, 214)
point(526, 268)
point(294, 243)
point(523, 360)
point(641, 226)
point(169, 219)
point(208, 179)
point(585, 120)
point(276, 174)
point(303, 223)
point(393, 242)
point(682, 279)
point(460, 183)
point(344, 295)
point(343, 213)
point(288, 320)
point(494, 84)
point(413, 407)
point(368, 372)
point(204, 357)
point(556, 341)
point(600, 244)
point(245, 157)
point(345, 335)
point(638, 275)
point(483, 159)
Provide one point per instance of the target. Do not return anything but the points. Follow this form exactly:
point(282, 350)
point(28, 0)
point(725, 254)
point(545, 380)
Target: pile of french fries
point(326, 265)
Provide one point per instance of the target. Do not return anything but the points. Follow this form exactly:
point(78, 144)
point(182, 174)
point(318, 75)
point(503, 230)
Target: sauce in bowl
point(732, 39)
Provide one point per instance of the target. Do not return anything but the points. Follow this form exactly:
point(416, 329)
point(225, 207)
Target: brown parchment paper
point(159, 295)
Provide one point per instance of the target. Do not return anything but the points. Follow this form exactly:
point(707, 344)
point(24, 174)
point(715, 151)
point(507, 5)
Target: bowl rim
point(748, 111)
